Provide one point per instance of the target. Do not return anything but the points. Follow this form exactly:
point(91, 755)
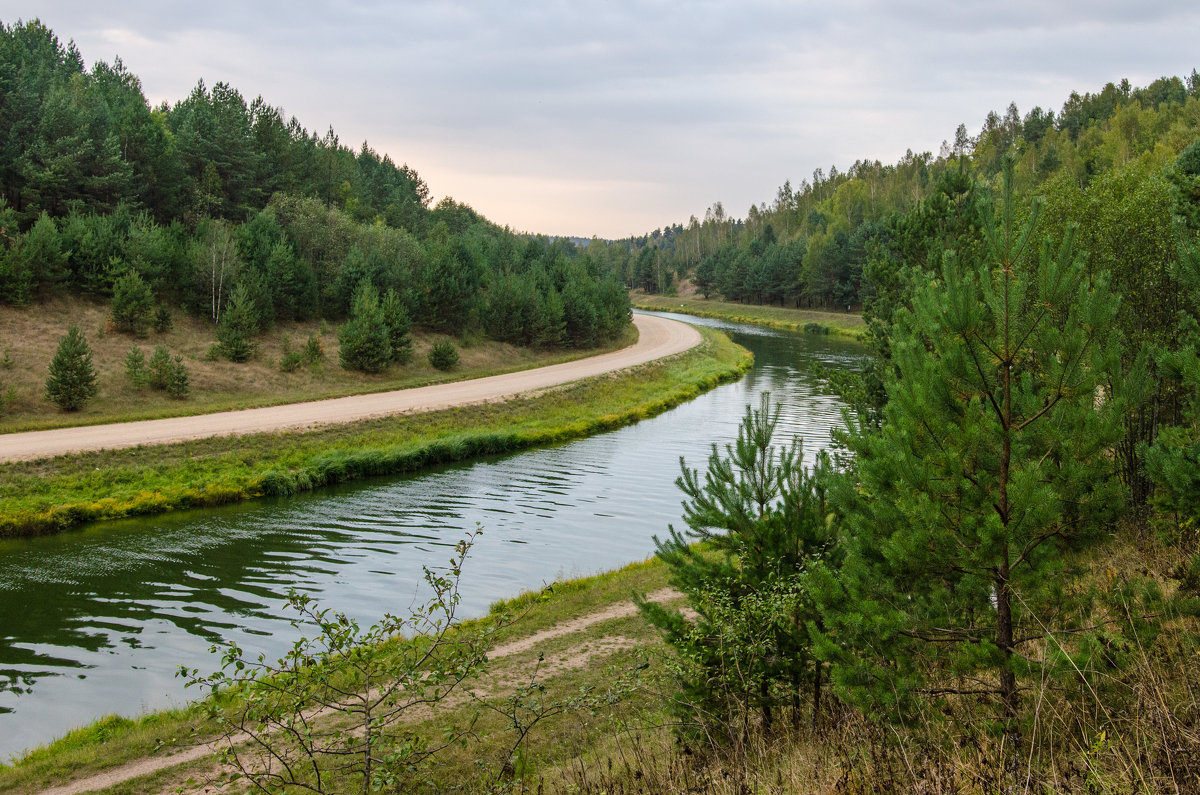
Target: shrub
point(132, 304)
point(163, 320)
point(291, 362)
point(135, 368)
point(443, 355)
point(314, 351)
point(72, 381)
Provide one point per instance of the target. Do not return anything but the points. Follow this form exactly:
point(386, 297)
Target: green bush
point(290, 362)
point(72, 381)
point(443, 355)
point(314, 351)
point(163, 320)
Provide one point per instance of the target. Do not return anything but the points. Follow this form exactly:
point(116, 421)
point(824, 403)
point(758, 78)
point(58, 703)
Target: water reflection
point(97, 621)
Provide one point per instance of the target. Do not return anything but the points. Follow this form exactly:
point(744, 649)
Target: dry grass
point(30, 335)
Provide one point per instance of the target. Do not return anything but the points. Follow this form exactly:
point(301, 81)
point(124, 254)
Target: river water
point(97, 621)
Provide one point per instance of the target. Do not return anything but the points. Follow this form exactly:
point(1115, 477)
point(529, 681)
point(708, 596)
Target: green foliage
point(158, 370)
point(443, 355)
point(763, 520)
point(368, 682)
point(313, 352)
point(239, 323)
point(365, 341)
point(163, 320)
point(135, 368)
point(72, 381)
point(395, 317)
point(132, 304)
point(178, 381)
point(991, 470)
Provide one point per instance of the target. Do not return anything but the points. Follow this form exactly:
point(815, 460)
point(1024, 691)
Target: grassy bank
point(29, 336)
point(114, 741)
point(52, 495)
point(779, 317)
point(582, 637)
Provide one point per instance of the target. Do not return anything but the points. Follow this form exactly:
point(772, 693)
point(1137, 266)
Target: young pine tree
point(395, 317)
point(365, 341)
point(132, 304)
point(239, 324)
point(763, 519)
point(991, 468)
point(72, 381)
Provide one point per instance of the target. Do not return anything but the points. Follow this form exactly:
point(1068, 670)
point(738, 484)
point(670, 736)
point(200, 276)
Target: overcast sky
point(613, 118)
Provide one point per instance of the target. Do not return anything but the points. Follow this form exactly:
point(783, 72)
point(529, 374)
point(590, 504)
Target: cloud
point(618, 116)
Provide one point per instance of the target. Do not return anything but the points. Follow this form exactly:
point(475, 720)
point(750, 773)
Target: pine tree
point(992, 465)
point(763, 520)
point(365, 341)
point(72, 381)
point(239, 324)
point(132, 304)
point(178, 383)
point(395, 317)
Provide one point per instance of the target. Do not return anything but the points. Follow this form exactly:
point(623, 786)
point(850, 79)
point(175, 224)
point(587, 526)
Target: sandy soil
point(573, 658)
point(657, 337)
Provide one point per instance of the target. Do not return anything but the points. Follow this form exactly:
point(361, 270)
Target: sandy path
point(657, 337)
point(149, 765)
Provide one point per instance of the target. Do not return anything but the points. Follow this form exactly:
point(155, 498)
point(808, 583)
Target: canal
point(97, 621)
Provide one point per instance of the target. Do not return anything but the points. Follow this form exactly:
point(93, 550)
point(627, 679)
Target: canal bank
point(110, 612)
point(48, 496)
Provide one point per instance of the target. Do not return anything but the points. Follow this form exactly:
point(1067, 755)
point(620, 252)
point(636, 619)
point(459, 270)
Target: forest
point(996, 566)
point(214, 202)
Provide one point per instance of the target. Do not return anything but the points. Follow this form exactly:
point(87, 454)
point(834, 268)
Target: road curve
point(657, 337)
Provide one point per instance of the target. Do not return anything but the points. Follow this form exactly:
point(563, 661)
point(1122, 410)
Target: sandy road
point(657, 337)
point(572, 659)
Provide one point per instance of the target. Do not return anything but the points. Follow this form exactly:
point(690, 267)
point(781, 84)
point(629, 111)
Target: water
point(97, 621)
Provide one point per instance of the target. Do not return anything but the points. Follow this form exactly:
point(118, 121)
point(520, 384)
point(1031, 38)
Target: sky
point(611, 118)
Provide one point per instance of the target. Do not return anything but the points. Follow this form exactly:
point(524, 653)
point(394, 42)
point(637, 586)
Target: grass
point(778, 317)
point(114, 741)
point(1139, 735)
point(30, 335)
point(55, 494)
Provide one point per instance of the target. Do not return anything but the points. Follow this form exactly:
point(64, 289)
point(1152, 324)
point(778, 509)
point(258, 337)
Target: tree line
point(212, 196)
point(940, 567)
point(812, 245)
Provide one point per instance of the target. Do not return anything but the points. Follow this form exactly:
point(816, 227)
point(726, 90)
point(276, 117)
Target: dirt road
point(657, 337)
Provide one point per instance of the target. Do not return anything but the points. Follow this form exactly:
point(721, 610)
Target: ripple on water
point(97, 621)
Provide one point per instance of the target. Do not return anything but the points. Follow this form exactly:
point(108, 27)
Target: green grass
point(52, 495)
point(807, 320)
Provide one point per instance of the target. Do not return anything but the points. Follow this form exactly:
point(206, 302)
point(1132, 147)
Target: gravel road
point(657, 337)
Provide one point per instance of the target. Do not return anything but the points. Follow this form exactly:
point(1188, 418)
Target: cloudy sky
point(615, 117)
